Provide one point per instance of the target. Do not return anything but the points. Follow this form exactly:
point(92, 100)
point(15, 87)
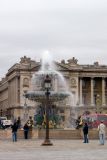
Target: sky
point(65, 28)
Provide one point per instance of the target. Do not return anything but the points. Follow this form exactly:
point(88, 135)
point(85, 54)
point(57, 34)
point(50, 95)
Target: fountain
point(48, 88)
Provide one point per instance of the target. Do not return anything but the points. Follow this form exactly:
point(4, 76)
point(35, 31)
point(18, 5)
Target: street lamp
point(47, 86)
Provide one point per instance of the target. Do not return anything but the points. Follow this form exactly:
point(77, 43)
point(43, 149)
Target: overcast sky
point(67, 28)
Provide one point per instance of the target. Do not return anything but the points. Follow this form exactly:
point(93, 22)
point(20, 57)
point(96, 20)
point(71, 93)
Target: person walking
point(85, 132)
point(101, 129)
point(26, 130)
point(14, 132)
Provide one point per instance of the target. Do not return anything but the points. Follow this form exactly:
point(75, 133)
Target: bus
point(94, 120)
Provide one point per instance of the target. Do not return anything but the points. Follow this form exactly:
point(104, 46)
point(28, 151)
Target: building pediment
point(58, 66)
point(36, 67)
point(61, 66)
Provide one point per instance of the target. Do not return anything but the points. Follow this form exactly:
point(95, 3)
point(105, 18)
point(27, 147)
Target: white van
point(4, 122)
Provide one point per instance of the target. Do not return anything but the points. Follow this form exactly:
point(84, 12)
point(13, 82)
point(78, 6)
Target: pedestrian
point(19, 122)
point(85, 132)
point(101, 129)
point(26, 130)
point(14, 131)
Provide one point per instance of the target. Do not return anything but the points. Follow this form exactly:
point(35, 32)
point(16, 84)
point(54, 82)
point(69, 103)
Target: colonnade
point(92, 91)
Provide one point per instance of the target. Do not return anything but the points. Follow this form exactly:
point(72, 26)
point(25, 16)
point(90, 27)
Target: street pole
point(47, 141)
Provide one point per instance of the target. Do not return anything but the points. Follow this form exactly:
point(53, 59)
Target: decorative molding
point(72, 61)
point(73, 82)
point(25, 60)
point(25, 82)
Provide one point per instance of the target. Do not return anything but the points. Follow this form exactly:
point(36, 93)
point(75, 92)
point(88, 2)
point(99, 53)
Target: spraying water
point(48, 67)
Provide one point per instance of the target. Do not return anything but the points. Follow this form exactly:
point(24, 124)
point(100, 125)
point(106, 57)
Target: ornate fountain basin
point(39, 96)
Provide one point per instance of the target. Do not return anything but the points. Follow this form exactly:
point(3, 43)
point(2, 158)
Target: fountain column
point(92, 91)
point(103, 91)
point(81, 103)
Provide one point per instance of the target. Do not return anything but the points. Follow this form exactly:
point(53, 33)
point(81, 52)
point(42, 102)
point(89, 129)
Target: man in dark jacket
point(14, 131)
point(85, 132)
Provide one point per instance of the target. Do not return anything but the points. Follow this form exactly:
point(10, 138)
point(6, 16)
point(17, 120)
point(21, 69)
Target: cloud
point(66, 28)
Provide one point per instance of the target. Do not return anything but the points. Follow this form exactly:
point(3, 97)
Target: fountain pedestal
point(47, 142)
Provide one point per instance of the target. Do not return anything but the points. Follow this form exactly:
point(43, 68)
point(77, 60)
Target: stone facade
point(88, 84)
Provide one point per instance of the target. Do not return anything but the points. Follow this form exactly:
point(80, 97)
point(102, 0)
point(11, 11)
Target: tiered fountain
point(49, 87)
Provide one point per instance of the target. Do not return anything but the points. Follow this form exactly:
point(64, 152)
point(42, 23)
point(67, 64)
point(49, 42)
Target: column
point(103, 91)
point(92, 92)
point(81, 103)
point(16, 90)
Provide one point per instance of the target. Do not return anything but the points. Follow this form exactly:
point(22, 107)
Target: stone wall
point(68, 134)
point(54, 134)
point(5, 134)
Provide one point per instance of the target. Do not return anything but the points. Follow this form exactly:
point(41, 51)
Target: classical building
point(88, 83)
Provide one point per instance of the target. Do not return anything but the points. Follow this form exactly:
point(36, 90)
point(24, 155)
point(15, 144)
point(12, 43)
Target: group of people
point(101, 130)
point(26, 128)
point(14, 131)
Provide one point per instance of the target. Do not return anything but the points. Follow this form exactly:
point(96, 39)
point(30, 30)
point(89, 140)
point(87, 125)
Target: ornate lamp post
point(47, 85)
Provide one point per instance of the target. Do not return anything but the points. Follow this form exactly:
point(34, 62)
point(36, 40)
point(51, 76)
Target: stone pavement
point(61, 150)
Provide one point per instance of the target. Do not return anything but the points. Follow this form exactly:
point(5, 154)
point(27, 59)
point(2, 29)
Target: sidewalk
point(61, 150)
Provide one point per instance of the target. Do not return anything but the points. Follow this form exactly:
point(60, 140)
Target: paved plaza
point(61, 150)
